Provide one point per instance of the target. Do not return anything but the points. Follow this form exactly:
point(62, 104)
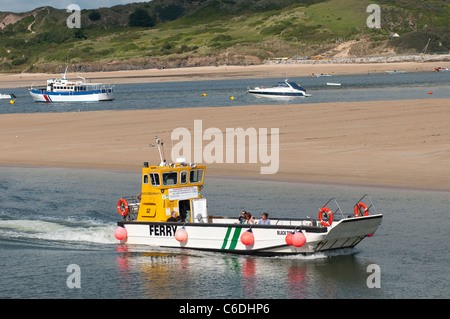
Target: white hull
point(223, 235)
point(281, 97)
point(44, 96)
point(5, 96)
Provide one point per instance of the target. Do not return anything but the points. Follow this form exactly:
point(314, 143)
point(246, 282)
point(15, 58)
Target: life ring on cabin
point(325, 216)
point(361, 210)
point(122, 206)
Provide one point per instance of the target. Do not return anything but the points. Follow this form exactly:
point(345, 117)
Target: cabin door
point(184, 209)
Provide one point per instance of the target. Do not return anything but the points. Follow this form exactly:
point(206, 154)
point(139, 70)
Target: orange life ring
point(361, 210)
point(325, 212)
point(122, 206)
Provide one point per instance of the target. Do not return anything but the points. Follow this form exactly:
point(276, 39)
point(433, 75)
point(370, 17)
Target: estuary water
point(52, 219)
point(218, 93)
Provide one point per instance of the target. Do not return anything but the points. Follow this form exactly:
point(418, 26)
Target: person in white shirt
point(264, 219)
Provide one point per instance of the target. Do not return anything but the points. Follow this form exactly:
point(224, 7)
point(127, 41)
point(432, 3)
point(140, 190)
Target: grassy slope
point(215, 34)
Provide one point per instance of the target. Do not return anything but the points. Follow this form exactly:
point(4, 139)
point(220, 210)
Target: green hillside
point(175, 33)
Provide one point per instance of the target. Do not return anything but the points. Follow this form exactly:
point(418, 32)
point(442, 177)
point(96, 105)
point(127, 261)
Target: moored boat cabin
point(63, 85)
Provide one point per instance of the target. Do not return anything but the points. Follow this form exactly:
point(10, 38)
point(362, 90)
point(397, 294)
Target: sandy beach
point(393, 143)
point(222, 72)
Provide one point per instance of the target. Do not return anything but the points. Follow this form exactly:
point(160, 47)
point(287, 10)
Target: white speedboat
point(440, 69)
point(63, 90)
point(171, 213)
point(283, 90)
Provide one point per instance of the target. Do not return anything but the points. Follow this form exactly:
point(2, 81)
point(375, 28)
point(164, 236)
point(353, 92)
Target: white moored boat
point(283, 90)
point(63, 90)
point(7, 96)
point(396, 72)
point(175, 189)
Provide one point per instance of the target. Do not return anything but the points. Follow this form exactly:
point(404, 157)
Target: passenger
point(174, 217)
point(264, 219)
point(249, 219)
point(242, 217)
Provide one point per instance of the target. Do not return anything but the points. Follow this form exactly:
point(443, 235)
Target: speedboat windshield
point(294, 85)
point(281, 84)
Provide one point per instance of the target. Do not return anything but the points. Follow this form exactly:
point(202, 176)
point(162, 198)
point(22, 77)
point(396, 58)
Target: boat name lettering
point(282, 232)
point(162, 230)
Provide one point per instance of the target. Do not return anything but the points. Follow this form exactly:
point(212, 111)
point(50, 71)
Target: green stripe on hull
point(225, 241)
point(234, 239)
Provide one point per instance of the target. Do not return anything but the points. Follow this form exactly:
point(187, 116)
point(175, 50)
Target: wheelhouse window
point(154, 179)
point(183, 177)
point(196, 175)
point(170, 178)
point(145, 179)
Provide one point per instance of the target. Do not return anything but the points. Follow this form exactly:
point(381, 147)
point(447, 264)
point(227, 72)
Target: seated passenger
point(242, 217)
point(264, 219)
point(174, 217)
point(248, 218)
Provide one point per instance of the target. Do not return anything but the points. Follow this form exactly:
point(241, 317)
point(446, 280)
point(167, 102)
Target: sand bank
point(222, 72)
point(396, 143)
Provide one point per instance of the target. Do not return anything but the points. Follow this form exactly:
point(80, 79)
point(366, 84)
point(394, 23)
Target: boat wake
point(323, 254)
point(91, 231)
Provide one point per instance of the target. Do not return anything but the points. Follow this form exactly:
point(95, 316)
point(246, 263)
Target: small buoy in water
point(120, 233)
point(181, 234)
point(247, 238)
point(298, 240)
point(288, 238)
point(430, 92)
point(204, 94)
point(232, 98)
point(11, 102)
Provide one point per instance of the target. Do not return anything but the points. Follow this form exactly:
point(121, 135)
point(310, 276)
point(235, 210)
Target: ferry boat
point(63, 90)
point(175, 189)
point(282, 90)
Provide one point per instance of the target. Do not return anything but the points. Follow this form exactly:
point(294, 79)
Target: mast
point(161, 151)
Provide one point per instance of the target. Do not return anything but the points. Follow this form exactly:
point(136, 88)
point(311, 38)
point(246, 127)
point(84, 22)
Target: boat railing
point(295, 222)
point(370, 206)
point(273, 221)
point(39, 88)
point(337, 208)
point(133, 207)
